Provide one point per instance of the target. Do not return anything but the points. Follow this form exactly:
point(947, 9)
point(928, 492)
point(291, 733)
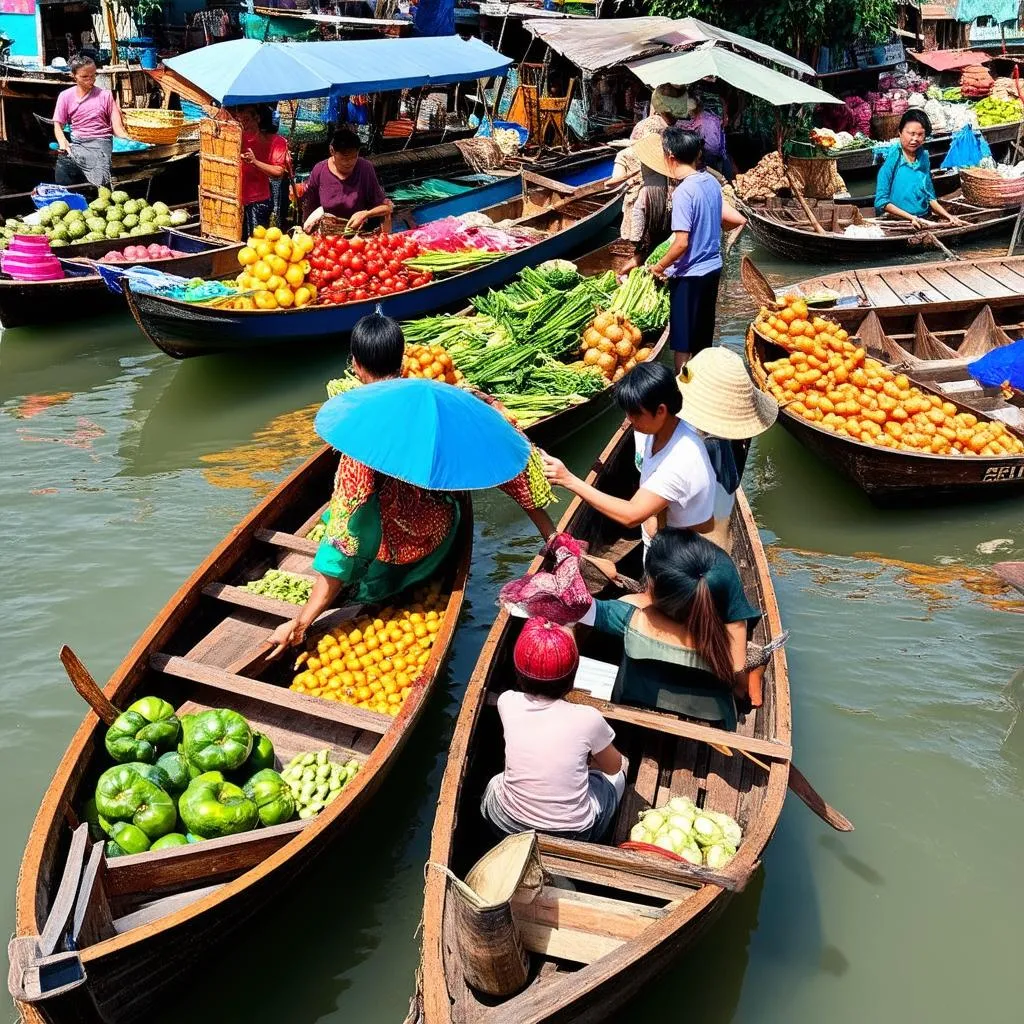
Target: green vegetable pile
point(204, 776)
point(320, 529)
point(643, 300)
point(701, 837)
point(314, 780)
point(992, 111)
point(281, 585)
point(111, 215)
point(427, 190)
point(953, 95)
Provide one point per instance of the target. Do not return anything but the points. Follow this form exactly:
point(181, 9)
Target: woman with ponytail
point(685, 637)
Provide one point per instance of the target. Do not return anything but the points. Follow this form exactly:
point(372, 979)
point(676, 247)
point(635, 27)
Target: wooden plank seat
point(288, 541)
point(266, 693)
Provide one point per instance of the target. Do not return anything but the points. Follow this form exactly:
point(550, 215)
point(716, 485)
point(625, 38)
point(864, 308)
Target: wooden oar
point(84, 683)
point(805, 207)
point(929, 238)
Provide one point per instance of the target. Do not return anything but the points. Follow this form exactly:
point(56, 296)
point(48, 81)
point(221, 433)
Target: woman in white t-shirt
point(563, 775)
point(677, 482)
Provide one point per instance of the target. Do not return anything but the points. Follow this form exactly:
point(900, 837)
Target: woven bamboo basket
point(885, 126)
point(157, 127)
point(986, 188)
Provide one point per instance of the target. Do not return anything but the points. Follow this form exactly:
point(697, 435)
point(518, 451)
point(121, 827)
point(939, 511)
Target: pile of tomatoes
point(361, 268)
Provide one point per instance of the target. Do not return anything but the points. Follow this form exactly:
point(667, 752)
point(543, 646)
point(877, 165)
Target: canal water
point(121, 468)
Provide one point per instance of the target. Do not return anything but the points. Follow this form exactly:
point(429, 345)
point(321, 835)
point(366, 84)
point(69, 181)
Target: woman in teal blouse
point(904, 186)
point(685, 638)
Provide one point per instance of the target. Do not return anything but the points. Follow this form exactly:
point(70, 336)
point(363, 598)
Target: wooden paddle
point(84, 683)
point(928, 238)
point(808, 212)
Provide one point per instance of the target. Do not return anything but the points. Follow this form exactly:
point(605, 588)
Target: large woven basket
point(157, 127)
point(986, 188)
point(885, 126)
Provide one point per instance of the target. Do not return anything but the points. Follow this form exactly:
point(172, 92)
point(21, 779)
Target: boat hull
point(185, 331)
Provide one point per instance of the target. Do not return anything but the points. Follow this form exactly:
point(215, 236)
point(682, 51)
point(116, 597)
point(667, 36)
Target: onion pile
point(611, 344)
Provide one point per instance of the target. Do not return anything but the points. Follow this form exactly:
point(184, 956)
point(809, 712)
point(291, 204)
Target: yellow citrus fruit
point(274, 282)
point(272, 234)
point(277, 265)
point(263, 249)
point(261, 271)
point(259, 231)
point(294, 276)
point(302, 297)
point(284, 249)
point(247, 256)
point(285, 298)
point(266, 300)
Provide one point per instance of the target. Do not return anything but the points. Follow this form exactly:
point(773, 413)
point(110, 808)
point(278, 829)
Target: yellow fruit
point(284, 249)
point(244, 303)
point(265, 300)
point(259, 231)
point(278, 265)
point(294, 276)
point(247, 256)
point(261, 271)
point(274, 282)
point(263, 249)
point(303, 296)
point(271, 234)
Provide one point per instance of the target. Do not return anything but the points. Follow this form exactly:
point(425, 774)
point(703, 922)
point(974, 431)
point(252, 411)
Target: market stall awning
point(692, 30)
point(248, 71)
point(950, 60)
point(744, 74)
point(595, 45)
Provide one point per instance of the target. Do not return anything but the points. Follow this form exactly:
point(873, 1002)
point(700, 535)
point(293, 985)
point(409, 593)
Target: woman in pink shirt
point(95, 119)
point(265, 162)
point(563, 775)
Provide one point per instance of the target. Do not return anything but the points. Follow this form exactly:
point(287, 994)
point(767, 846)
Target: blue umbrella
point(426, 433)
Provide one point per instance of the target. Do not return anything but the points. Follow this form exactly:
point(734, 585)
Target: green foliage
point(790, 25)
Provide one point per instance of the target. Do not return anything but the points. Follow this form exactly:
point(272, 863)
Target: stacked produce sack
point(975, 82)
point(203, 776)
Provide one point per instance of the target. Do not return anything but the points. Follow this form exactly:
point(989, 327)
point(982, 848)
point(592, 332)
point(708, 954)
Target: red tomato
point(359, 279)
point(372, 267)
point(345, 260)
point(356, 244)
point(342, 245)
point(357, 262)
point(385, 288)
point(418, 281)
point(395, 267)
point(358, 295)
point(384, 275)
point(398, 285)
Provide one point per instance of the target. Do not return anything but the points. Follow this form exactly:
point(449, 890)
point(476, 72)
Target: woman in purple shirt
point(345, 185)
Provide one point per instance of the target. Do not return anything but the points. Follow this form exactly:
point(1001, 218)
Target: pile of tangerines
point(829, 380)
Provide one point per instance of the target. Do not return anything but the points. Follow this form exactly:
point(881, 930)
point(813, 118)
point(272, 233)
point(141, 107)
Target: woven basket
point(885, 126)
point(157, 127)
point(987, 188)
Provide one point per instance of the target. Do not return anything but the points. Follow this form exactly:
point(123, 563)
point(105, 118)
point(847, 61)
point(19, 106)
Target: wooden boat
point(855, 162)
point(782, 226)
point(891, 476)
point(99, 939)
point(82, 292)
point(1012, 573)
point(569, 217)
point(945, 182)
point(629, 914)
point(952, 289)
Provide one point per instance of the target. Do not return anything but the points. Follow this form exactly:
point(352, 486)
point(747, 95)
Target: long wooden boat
point(82, 292)
point(98, 939)
point(945, 182)
point(952, 289)
point(183, 330)
point(628, 915)
point(855, 162)
point(892, 476)
point(782, 226)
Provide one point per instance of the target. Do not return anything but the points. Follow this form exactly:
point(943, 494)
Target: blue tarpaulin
point(248, 71)
point(1005, 363)
point(435, 18)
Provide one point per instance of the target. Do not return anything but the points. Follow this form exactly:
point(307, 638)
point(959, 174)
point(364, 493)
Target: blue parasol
point(426, 433)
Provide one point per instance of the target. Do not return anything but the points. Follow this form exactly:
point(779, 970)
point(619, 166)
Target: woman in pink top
point(563, 775)
point(265, 162)
point(95, 119)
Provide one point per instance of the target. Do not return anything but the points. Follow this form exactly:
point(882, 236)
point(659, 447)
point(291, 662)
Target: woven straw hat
point(720, 398)
point(650, 153)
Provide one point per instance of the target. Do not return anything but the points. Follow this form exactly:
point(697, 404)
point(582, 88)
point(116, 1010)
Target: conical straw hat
point(720, 398)
point(650, 153)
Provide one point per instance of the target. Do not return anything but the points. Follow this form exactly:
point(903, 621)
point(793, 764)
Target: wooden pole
point(1016, 232)
point(108, 15)
point(805, 207)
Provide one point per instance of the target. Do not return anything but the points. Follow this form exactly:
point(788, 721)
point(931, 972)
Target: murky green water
point(121, 469)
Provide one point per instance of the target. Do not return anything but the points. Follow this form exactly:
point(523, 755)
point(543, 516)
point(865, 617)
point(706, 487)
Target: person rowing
point(904, 187)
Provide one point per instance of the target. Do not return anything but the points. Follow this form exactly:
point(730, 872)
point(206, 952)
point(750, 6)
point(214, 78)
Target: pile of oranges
point(830, 381)
point(374, 662)
point(432, 362)
point(274, 269)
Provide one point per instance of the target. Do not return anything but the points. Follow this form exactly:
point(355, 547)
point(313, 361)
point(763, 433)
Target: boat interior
point(597, 897)
point(210, 652)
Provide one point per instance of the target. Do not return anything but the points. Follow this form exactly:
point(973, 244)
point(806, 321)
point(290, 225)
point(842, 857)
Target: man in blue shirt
point(693, 264)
